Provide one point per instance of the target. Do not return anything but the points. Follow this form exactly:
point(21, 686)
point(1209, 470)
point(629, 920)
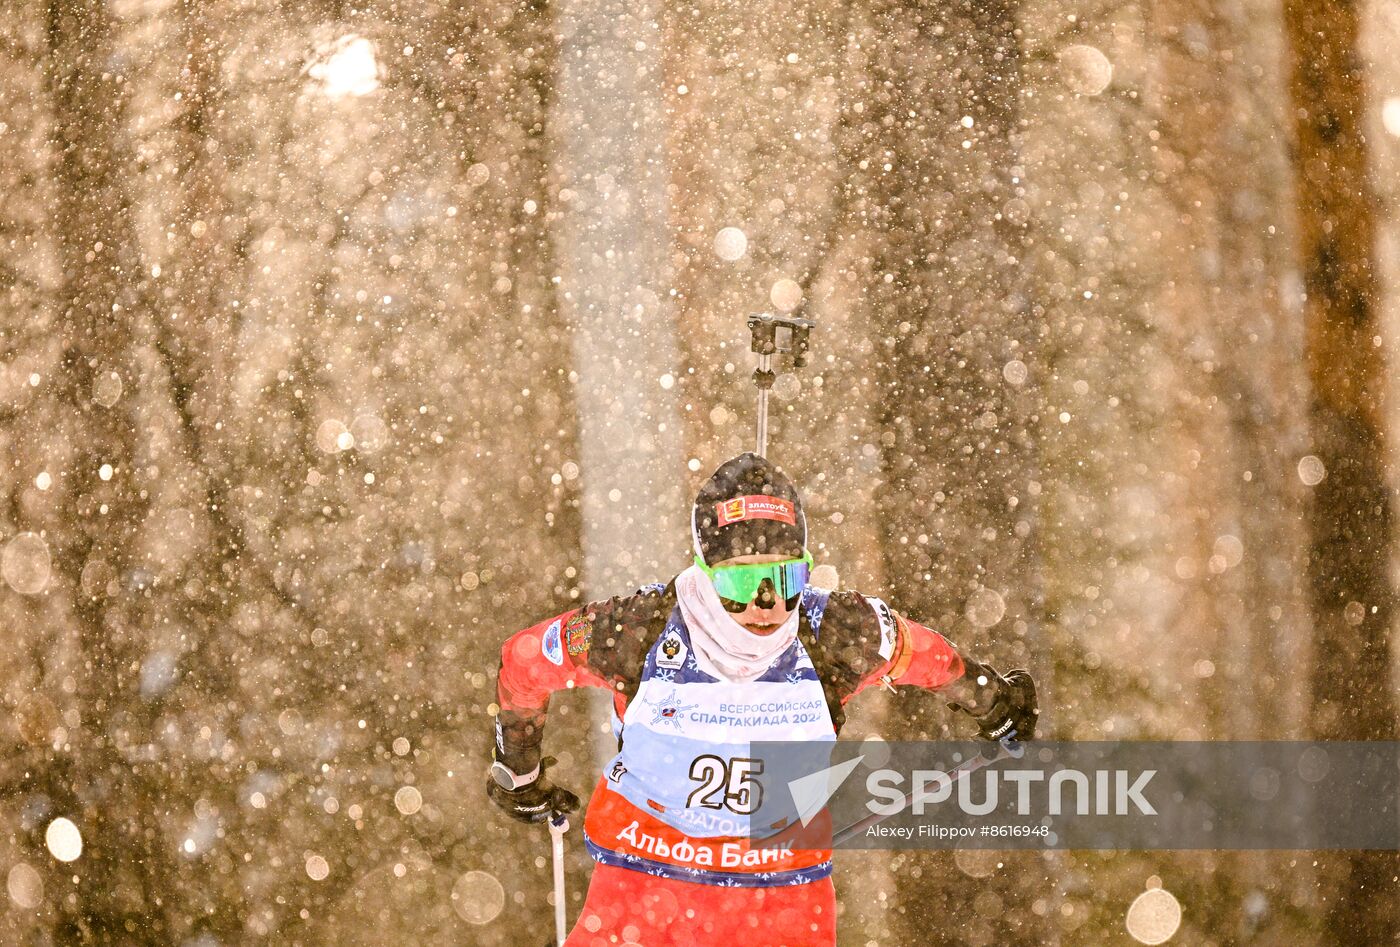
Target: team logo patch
point(551, 645)
point(670, 652)
point(756, 508)
point(578, 633)
point(669, 710)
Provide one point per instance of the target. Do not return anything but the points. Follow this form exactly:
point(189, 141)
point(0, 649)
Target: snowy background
point(341, 340)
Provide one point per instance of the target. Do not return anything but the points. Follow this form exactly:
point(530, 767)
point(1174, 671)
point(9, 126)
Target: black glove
point(536, 802)
point(1014, 712)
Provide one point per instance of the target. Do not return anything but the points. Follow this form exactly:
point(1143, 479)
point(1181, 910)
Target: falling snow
point(341, 341)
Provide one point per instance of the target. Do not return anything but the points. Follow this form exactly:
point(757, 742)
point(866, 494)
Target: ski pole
point(763, 378)
point(558, 825)
point(1006, 749)
point(775, 335)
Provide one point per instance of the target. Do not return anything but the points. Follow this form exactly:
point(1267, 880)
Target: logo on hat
point(756, 508)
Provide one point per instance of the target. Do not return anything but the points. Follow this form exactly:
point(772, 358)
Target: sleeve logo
point(551, 645)
point(756, 508)
point(578, 633)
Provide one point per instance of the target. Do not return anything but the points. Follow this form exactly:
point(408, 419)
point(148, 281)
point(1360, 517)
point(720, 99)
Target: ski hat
point(747, 507)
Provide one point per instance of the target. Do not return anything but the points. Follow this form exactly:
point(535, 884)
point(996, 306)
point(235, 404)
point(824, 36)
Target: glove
point(536, 802)
point(1014, 712)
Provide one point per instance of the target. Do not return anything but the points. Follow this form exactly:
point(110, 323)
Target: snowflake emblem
point(728, 883)
point(794, 677)
point(669, 710)
point(665, 676)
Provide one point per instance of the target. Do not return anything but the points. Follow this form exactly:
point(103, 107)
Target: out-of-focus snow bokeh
point(342, 340)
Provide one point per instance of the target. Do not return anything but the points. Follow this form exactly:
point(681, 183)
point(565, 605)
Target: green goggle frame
point(740, 583)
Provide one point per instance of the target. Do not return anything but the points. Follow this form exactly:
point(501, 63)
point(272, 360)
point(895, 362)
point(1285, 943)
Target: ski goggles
point(740, 583)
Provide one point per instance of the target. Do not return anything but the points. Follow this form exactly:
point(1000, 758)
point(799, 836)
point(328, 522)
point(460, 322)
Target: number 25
point(727, 785)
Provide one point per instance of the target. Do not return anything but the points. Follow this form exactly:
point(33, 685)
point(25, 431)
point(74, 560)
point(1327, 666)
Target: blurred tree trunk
point(1217, 105)
point(953, 306)
point(1351, 518)
point(40, 638)
point(105, 493)
point(1218, 100)
point(608, 133)
point(194, 341)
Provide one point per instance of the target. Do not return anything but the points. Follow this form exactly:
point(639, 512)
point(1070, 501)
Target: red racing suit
point(670, 716)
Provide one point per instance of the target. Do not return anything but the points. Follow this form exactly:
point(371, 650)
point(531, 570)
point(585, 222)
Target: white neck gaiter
point(723, 647)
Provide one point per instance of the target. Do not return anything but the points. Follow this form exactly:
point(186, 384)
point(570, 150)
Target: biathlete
point(736, 649)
